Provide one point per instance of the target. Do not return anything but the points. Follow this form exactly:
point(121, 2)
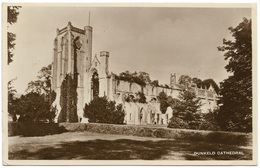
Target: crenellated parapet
point(70, 27)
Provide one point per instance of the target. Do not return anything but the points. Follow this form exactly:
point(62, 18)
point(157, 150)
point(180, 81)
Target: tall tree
point(38, 91)
point(188, 105)
point(34, 107)
point(197, 81)
point(12, 14)
point(144, 76)
point(207, 82)
point(187, 108)
point(236, 112)
point(43, 83)
point(12, 100)
point(185, 80)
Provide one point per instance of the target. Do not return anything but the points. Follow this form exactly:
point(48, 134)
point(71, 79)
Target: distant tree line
point(188, 81)
point(143, 78)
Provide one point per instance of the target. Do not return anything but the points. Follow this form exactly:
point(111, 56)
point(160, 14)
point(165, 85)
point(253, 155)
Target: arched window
point(95, 85)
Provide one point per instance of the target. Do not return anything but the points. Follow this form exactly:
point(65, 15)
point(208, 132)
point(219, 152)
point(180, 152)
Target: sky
point(159, 41)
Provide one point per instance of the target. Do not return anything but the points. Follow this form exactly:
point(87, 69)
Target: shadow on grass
point(125, 149)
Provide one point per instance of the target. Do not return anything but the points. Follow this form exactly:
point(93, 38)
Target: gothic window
point(95, 85)
point(141, 114)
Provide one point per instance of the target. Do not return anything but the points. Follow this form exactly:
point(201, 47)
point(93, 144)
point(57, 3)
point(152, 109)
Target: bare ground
point(94, 146)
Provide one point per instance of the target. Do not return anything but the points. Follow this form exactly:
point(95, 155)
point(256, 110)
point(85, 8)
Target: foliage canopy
point(101, 110)
point(236, 111)
point(12, 14)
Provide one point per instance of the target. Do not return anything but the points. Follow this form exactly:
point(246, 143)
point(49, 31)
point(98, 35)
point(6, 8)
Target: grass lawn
point(94, 146)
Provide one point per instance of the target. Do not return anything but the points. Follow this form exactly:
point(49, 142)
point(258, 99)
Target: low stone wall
point(230, 138)
point(34, 129)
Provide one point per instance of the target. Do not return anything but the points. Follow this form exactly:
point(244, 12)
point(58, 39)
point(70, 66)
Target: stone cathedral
point(73, 53)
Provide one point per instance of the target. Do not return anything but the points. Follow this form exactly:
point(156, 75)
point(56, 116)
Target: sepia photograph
point(129, 84)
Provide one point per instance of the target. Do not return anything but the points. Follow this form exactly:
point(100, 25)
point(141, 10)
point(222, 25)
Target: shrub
point(194, 124)
point(34, 107)
point(205, 125)
point(101, 110)
point(29, 129)
point(176, 122)
point(209, 121)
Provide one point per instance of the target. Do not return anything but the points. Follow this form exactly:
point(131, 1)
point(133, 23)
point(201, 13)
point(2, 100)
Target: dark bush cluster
point(34, 129)
point(101, 110)
point(33, 107)
point(176, 122)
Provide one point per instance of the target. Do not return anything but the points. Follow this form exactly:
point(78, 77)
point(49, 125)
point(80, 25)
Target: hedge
point(231, 138)
point(41, 129)
point(34, 129)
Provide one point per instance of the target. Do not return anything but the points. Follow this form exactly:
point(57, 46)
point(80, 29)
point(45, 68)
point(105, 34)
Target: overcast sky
point(159, 41)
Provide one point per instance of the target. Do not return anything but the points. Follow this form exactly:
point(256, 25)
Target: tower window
point(87, 41)
point(95, 63)
point(86, 58)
